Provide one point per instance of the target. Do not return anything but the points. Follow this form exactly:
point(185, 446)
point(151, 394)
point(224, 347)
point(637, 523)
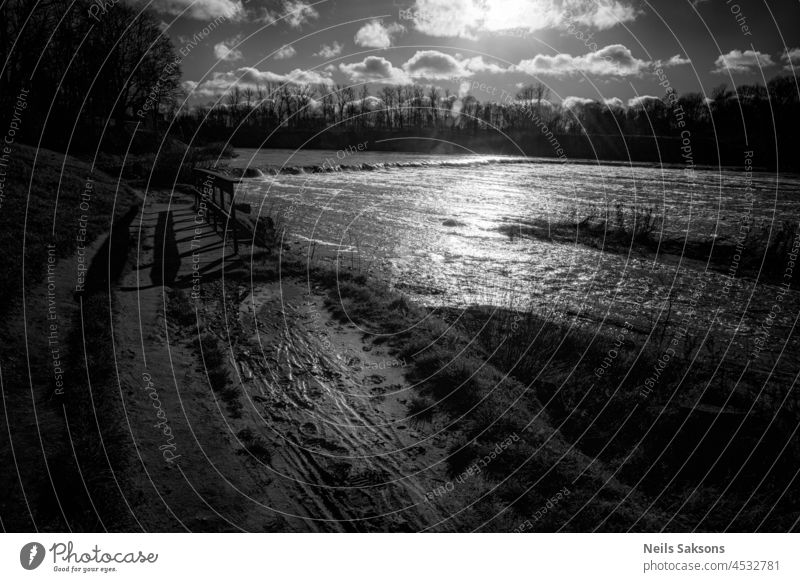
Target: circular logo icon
point(31, 555)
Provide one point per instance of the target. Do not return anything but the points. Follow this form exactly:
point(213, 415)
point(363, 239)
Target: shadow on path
point(167, 261)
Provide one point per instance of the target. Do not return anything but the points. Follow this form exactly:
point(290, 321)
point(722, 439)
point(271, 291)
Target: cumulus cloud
point(370, 103)
point(613, 60)
point(375, 35)
point(224, 50)
point(448, 18)
point(328, 51)
point(478, 65)
point(295, 13)
point(600, 14)
point(644, 101)
point(250, 77)
point(576, 102)
point(791, 59)
point(285, 52)
point(469, 18)
point(374, 69)
point(299, 13)
point(433, 65)
point(675, 61)
point(745, 62)
point(198, 9)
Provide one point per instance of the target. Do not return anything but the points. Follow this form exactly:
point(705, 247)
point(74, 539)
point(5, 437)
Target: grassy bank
point(57, 360)
point(632, 457)
point(42, 205)
point(171, 164)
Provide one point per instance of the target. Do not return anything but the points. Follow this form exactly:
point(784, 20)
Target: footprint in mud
point(368, 478)
point(324, 445)
point(340, 472)
point(328, 375)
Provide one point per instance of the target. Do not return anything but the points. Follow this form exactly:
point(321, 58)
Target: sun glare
point(513, 14)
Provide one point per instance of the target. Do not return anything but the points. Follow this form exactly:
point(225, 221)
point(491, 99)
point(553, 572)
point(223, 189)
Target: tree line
point(751, 110)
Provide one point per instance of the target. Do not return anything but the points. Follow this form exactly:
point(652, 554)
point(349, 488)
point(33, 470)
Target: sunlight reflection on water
point(434, 231)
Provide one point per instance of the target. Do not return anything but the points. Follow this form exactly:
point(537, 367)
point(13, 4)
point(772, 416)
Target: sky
point(605, 50)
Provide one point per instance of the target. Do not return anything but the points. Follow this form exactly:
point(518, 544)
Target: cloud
point(745, 62)
point(370, 103)
point(600, 14)
point(374, 69)
point(613, 60)
point(250, 77)
point(675, 61)
point(478, 65)
point(791, 58)
point(469, 18)
point(262, 15)
point(576, 102)
point(199, 9)
point(434, 65)
point(224, 50)
point(295, 13)
point(285, 52)
point(299, 13)
point(375, 35)
point(328, 51)
point(447, 18)
point(644, 101)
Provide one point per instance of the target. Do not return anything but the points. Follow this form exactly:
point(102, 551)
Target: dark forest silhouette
point(85, 73)
point(720, 126)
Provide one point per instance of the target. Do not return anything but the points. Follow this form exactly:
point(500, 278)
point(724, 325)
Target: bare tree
point(434, 96)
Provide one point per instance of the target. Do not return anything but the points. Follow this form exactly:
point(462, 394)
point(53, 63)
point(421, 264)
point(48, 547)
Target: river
point(432, 227)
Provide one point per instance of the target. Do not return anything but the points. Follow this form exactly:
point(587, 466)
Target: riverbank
point(281, 390)
point(584, 407)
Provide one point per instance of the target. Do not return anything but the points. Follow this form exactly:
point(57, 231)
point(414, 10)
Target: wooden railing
point(217, 192)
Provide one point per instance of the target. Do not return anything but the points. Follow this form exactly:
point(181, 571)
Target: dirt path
point(315, 438)
point(333, 405)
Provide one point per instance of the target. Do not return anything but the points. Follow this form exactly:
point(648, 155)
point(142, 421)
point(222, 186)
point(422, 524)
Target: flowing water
point(432, 227)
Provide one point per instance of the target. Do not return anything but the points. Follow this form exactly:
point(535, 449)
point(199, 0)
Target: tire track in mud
point(342, 447)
